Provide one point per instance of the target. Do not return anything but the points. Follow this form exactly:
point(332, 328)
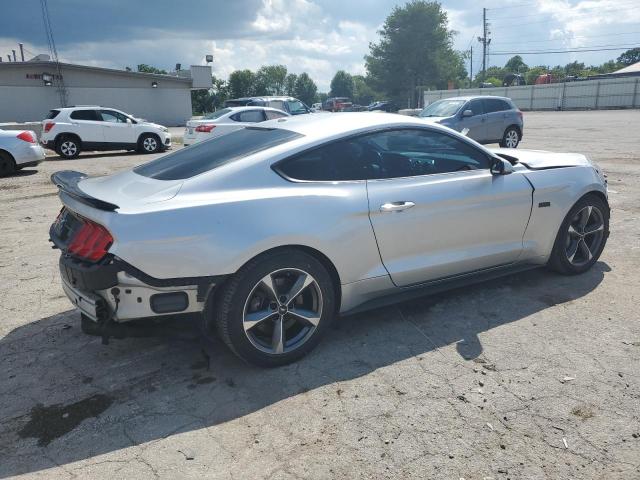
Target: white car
point(70, 130)
point(227, 120)
point(18, 149)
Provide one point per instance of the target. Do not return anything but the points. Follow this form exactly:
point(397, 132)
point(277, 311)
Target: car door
point(116, 128)
point(476, 123)
point(436, 209)
point(87, 124)
point(496, 116)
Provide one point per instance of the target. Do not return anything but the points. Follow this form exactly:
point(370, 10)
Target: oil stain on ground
point(48, 423)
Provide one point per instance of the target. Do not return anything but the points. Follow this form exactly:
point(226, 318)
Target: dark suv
point(291, 105)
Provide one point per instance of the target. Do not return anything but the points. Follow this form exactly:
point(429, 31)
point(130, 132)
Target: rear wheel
point(149, 143)
point(511, 138)
point(276, 308)
point(68, 147)
point(7, 164)
point(582, 236)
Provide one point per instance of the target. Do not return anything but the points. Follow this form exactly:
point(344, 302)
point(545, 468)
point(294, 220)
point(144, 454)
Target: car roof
point(473, 97)
point(326, 125)
point(254, 107)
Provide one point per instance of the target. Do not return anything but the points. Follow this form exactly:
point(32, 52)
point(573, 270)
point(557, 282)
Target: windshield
point(296, 107)
point(204, 156)
point(218, 114)
point(442, 108)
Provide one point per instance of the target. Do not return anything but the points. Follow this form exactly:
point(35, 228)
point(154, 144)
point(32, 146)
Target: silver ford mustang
point(269, 232)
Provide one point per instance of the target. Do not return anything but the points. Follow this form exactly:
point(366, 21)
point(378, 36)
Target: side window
point(84, 115)
point(278, 104)
point(250, 116)
point(389, 154)
point(495, 105)
point(271, 114)
point(475, 106)
point(296, 107)
point(113, 117)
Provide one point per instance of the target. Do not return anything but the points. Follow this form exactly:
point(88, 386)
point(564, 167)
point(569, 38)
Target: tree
point(516, 65)
point(415, 49)
point(534, 73)
point(305, 89)
point(341, 85)
point(630, 57)
point(144, 68)
point(363, 94)
point(241, 83)
point(290, 84)
point(271, 79)
point(205, 101)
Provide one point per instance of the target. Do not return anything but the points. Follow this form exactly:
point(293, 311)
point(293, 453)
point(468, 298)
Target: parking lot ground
point(535, 375)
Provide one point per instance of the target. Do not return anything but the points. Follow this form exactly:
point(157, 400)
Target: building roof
point(112, 71)
point(635, 68)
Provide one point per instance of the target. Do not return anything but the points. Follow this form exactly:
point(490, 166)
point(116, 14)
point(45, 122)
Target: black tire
point(510, 138)
point(149, 143)
point(246, 286)
point(562, 260)
point(7, 164)
point(68, 146)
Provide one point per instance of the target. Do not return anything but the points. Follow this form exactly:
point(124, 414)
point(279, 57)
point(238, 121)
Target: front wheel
point(582, 236)
point(276, 308)
point(149, 143)
point(511, 138)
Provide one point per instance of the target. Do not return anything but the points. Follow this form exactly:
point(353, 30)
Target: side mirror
point(502, 167)
point(129, 122)
point(467, 113)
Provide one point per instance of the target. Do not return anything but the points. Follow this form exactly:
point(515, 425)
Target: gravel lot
point(531, 376)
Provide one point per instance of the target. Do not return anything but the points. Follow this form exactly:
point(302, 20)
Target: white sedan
point(18, 149)
point(227, 120)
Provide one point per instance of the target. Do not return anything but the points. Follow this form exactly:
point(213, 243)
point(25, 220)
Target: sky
point(316, 36)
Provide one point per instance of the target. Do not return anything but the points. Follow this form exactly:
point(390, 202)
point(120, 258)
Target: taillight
point(26, 137)
point(520, 114)
point(91, 241)
point(205, 128)
point(48, 126)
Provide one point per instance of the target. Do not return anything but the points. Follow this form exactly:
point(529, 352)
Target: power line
point(544, 52)
point(580, 10)
point(513, 6)
point(57, 78)
point(566, 39)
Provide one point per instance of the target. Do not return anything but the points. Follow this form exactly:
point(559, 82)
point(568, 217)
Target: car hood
point(151, 124)
point(129, 190)
point(541, 159)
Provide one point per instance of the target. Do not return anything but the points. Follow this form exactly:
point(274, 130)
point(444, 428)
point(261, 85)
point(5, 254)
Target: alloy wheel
point(511, 139)
point(282, 311)
point(150, 144)
point(68, 149)
point(585, 235)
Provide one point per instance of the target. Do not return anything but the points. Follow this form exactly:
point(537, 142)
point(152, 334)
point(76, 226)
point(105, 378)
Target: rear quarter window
point(52, 114)
point(202, 157)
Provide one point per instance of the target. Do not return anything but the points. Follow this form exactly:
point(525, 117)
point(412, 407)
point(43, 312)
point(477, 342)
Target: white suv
point(70, 130)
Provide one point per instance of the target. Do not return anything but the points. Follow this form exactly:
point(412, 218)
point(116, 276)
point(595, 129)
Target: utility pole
point(471, 66)
point(485, 42)
point(21, 51)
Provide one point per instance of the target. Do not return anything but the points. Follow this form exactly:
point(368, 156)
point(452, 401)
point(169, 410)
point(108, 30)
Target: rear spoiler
point(67, 182)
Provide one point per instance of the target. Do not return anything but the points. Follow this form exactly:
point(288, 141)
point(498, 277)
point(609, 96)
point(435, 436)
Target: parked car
point(487, 119)
point(18, 149)
point(336, 104)
point(227, 120)
point(317, 106)
point(70, 130)
point(270, 231)
point(291, 105)
point(384, 106)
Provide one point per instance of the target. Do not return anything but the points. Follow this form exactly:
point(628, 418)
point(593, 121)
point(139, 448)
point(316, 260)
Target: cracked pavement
point(530, 376)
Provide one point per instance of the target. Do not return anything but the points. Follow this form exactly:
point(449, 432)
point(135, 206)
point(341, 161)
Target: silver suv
point(486, 119)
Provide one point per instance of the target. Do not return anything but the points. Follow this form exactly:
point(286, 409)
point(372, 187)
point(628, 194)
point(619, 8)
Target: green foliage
point(496, 82)
point(206, 101)
point(322, 97)
point(363, 94)
point(342, 85)
point(290, 84)
point(534, 73)
point(241, 83)
point(305, 89)
point(516, 65)
point(630, 57)
point(415, 49)
point(144, 68)
point(270, 80)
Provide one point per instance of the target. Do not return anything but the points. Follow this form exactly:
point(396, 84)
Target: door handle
point(396, 206)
